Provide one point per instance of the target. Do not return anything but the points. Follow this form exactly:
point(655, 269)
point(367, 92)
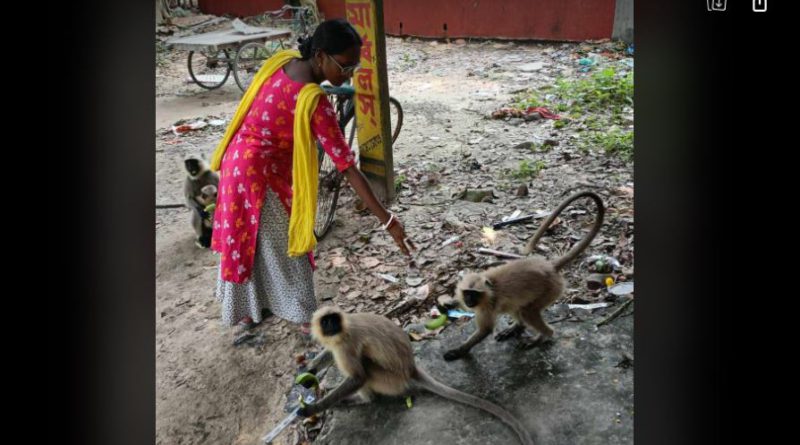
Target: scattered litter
point(458, 313)
point(185, 128)
point(388, 277)
point(451, 240)
point(603, 263)
point(498, 253)
point(588, 307)
point(623, 288)
point(513, 215)
point(436, 323)
point(413, 281)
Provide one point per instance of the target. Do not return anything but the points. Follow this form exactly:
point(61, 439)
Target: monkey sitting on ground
point(199, 177)
point(521, 288)
point(376, 357)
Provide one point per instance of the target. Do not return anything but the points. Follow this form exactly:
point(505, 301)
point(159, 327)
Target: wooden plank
point(213, 41)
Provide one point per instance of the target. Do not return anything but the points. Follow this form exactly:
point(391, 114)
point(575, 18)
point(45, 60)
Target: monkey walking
point(376, 357)
point(521, 288)
point(198, 195)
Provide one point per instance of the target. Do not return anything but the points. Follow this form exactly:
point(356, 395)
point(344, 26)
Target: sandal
point(243, 328)
point(243, 337)
point(247, 323)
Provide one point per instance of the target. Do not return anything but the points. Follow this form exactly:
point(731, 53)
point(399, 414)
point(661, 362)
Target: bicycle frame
point(299, 23)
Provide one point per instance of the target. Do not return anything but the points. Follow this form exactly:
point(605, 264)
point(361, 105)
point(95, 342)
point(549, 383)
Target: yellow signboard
point(372, 95)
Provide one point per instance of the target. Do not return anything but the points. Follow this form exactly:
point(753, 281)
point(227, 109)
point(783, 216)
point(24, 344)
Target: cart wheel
point(249, 59)
point(209, 71)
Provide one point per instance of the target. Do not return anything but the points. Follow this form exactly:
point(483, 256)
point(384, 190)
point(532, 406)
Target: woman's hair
point(332, 36)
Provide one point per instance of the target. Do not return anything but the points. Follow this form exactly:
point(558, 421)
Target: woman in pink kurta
point(260, 157)
point(255, 191)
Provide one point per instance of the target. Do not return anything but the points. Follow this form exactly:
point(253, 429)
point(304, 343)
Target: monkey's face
point(331, 324)
point(471, 297)
point(474, 290)
point(209, 194)
point(192, 166)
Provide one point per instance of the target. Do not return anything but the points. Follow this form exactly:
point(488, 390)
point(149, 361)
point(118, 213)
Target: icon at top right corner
point(716, 5)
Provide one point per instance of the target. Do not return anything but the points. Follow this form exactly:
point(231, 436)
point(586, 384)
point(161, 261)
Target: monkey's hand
point(323, 359)
point(454, 354)
point(197, 207)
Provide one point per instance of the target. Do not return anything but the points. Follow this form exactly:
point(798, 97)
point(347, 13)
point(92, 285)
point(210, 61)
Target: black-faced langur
point(199, 176)
point(521, 288)
point(376, 357)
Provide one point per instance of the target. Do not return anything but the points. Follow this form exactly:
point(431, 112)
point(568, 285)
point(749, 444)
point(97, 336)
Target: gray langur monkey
point(197, 180)
point(208, 199)
point(522, 288)
point(376, 357)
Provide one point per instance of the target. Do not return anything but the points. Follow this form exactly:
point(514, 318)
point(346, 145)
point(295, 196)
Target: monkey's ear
point(488, 283)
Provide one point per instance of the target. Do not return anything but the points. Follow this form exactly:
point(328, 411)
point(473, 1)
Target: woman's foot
point(247, 323)
point(242, 332)
point(305, 331)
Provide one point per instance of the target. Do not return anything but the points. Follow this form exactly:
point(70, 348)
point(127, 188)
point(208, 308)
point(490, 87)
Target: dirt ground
point(211, 392)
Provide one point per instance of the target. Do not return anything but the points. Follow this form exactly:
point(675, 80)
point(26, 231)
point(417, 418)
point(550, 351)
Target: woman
point(264, 218)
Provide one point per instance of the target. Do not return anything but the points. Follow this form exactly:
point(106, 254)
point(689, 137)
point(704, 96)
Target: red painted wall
point(332, 9)
point(512, 19)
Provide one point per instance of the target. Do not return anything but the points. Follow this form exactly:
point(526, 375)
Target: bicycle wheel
point(249, 59)
point(395, 121)
point(330, 183)
point(304, 20)
point(209, 72)
point(395, 118)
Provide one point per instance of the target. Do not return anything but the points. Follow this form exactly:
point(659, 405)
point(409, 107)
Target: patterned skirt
point(280, 283)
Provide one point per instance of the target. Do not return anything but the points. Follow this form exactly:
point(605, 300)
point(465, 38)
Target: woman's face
point(338, 68)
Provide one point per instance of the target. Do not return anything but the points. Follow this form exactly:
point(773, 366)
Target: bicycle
point(302, 21)
point(330, 179)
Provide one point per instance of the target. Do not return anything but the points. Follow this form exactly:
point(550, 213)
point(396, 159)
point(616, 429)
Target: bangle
point(389, 221)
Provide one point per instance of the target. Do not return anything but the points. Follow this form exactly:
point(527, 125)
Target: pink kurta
point(260, 156)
